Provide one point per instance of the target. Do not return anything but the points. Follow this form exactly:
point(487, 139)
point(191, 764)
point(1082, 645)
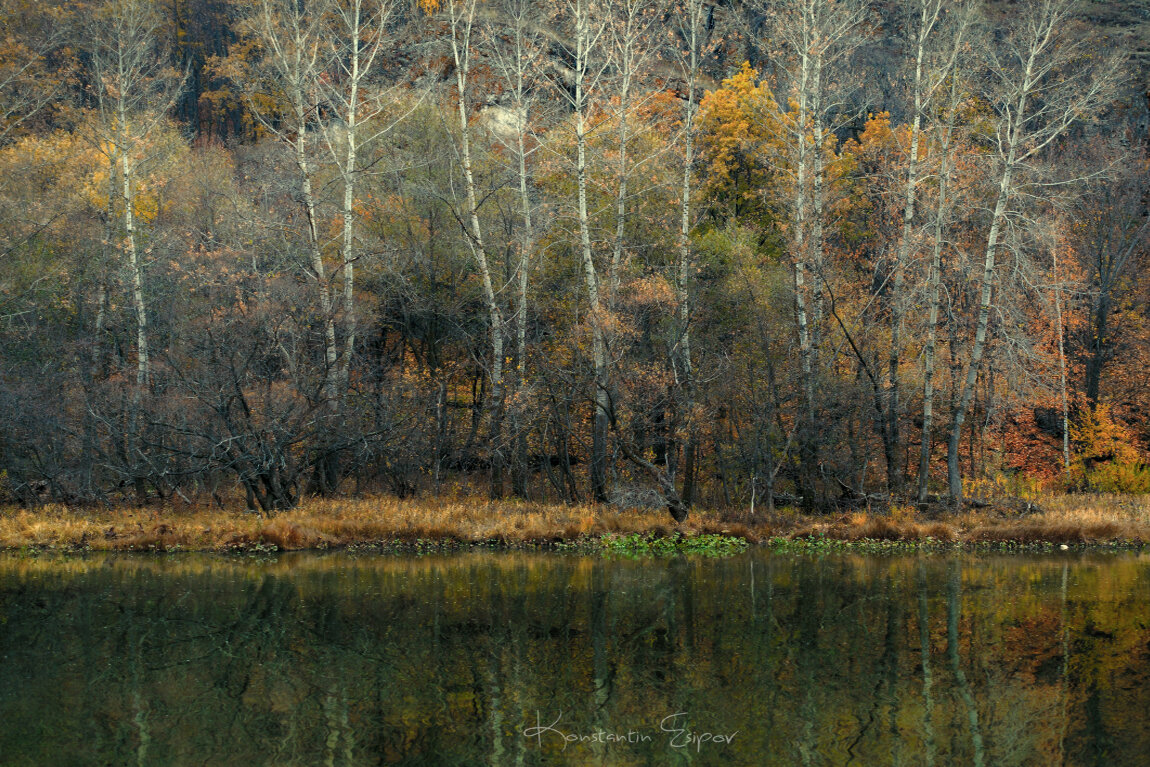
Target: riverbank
point(387, 523)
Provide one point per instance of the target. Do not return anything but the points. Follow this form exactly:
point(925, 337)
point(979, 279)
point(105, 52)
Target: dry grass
point(1077, 519)
point(315, 524)
point(388, 521)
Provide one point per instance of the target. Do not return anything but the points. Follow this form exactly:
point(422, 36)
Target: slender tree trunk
point(682, 281)
point(519, 470)
point(598, 340)
point(799, 267)
point(460, 45)
point(136, 287)
point(96, 366)
point(614, 277)
point(327, 465)
point(954, 477)
point(95, 369)
point(1061, 363)
point(350, 319)
point(894, 476)
point(98, 330)
point(818, 204)
point(295, 67)
point(930, 12)
point(1021, 136)
point(518, 74)
point(135, 268)
point(934, 284)
point(319, 272)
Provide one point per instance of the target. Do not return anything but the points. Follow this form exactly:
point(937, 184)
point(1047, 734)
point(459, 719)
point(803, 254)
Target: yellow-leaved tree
point(737, 128)
point(1106, 459)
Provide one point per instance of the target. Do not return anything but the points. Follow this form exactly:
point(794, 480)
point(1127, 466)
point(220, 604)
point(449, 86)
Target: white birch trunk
point(934, 283)
point(902, 254)
point(682, 282)
point(315, 253)
point(349, 179)
point(591, 279)
point(818, 181)
point(614, 278)
point(525, 248)
point(946, 73)
point(135, 270)
point(798, 234)
point(1061, 361)
point(1056, 84)
point(461, 27)
point(954, 478)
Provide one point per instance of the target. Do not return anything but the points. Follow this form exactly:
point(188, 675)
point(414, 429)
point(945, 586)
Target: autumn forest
point(665, 253)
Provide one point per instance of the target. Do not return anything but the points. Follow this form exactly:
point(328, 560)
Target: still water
point(509, 659)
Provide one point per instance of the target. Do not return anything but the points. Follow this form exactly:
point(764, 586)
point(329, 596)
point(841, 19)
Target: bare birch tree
point(1045, 77)
point(461, 16)
point(816, 37)
point(134, 88)
point(282, 85)
point(943, 67)
point(355, 35)
point(586, 78)
point(630, 49)
point(134, 91)
point(691, 21)
point(925, 18)
point(519, 62)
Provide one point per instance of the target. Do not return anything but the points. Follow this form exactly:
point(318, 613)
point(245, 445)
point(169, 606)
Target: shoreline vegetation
point(387, 524)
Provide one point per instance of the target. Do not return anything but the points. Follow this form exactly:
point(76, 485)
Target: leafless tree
point(356, 32)
point(691, 22)
point(519, 62)
point(134, 89)
point(815, 38)
point(587, 40)
point(282, 86)
point(923, 28)
point(1045, 78)
point(947, 70)
point(461, 16)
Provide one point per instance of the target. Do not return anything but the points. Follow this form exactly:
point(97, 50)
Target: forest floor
point(424, 524)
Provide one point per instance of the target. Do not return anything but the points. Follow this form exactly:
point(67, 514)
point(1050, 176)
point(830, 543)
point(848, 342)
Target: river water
point(518, 659)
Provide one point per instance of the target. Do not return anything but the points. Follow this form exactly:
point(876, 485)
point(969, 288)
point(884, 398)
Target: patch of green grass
point(819, 543)
point(648, 545)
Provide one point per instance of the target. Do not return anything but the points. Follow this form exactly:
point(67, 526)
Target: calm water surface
point(508, 659)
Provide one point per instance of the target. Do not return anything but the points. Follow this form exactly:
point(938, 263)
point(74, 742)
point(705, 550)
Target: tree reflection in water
point(338, 660)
